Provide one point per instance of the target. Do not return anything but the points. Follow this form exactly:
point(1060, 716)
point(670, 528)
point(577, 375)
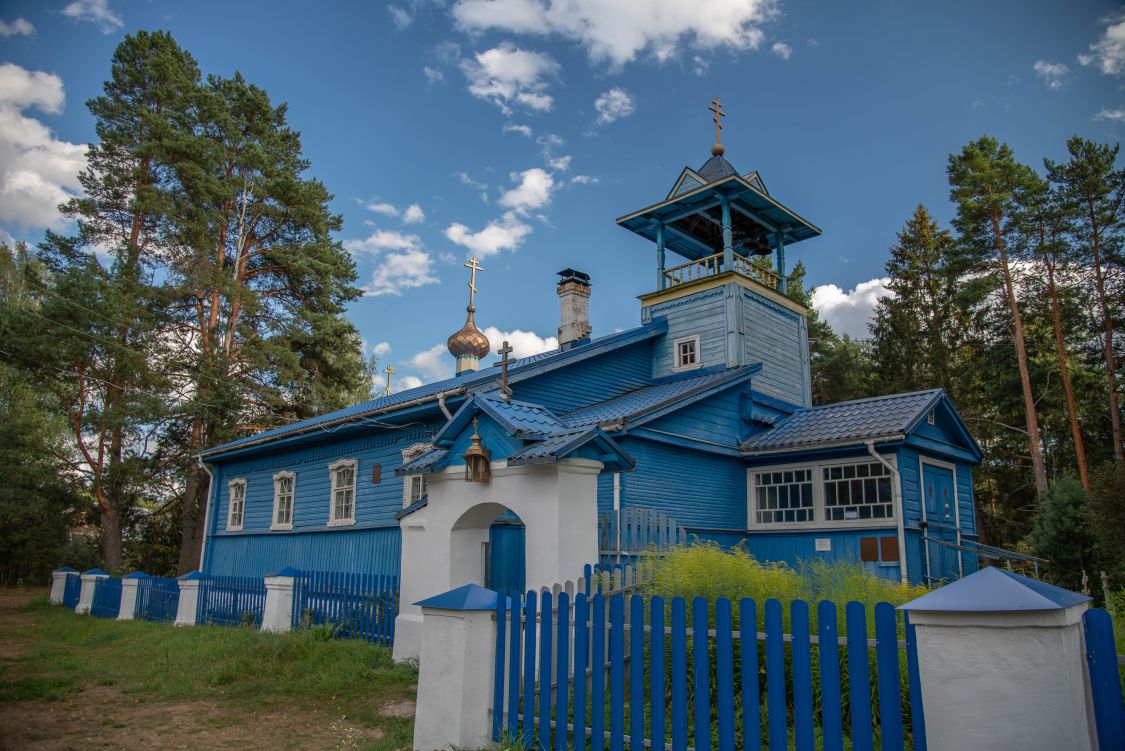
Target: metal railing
point(713, 265)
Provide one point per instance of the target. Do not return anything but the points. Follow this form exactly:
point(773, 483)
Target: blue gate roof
point(994, 590)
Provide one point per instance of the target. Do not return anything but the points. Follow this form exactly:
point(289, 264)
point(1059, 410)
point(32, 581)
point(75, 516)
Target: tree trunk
point(1064, 369)
point(194, 506)
point(111, 536)
point(1110, 362)
point(1034, 444)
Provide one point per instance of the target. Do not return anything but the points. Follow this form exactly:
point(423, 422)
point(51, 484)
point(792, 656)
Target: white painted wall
point(188, 608)
point(442, 544)
point(277, 614)
point(128, 609)
point(86, 594)
point(1003, 681)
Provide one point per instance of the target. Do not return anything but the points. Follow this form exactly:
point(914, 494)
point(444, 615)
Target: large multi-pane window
point(857, 491)
point(783, 496)
point(236, 500)
point(284, 484)
point(342, 474)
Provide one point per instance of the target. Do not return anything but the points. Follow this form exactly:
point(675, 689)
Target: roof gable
point(688, 181)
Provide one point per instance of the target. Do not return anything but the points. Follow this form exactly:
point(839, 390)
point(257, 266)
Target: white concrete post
point(187, 611)
point(86, 594)
point(278, 613)
point(457, 670)
point(58, 583)
point(129, 587)
point(1002, 664)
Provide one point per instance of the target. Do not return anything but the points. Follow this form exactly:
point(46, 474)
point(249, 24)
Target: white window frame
point(409, 454)
point(819, 520)
point(333, 521)
point(277, 478)
point(677, 366)
point(231, 526)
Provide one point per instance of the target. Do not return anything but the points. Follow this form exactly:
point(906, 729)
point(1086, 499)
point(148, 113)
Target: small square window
point(686, 353)
point(930, 418)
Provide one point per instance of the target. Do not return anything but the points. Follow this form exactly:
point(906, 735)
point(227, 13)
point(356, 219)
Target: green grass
point(154, 662)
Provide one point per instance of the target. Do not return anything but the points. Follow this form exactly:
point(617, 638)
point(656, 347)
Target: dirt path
point(102, 717)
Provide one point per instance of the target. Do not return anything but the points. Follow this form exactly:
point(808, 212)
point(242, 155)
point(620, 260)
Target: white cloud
point(466, 179)
point(433, 75)
point(699, 65)
point(20, 26)
point(96, 12)
point(406, 383)
point(400, 17)
point(1108, 53)
point(620, 31)
point(383, 239)
point(434, 363)
point(381, 349)
point(401, 271)
point(614, 105)
point(523, 130)
point(561, 163)
point(37, 171)
point(849, 312)
point(1053, 74)
point(583, 180)
point(505, 233)
point(782, 50)
point(386, 209)
point(533, 191)
point(523, 343)
point(413, 214)
point(1116, 115)
point(507, 75)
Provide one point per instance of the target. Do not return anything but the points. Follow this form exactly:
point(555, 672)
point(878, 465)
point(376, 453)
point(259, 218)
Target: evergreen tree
point(1060, 535)
point(985, 184)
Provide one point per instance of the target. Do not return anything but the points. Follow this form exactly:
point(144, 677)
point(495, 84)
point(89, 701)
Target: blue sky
point(519, 130)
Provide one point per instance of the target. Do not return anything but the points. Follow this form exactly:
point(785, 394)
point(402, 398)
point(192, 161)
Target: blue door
point(506, 556)
point(941, 524)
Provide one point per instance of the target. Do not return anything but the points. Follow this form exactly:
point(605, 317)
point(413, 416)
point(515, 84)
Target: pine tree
point(1060, 535)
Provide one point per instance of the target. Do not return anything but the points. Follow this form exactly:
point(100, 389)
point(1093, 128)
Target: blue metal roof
point(468, 597)
point(520, 419)
point(561, 445)
point(994, 590)
point(427, 462)
point(843, 422)
point(524, 367)
point(651, 401)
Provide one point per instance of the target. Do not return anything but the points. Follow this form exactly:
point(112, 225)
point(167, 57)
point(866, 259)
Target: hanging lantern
point(478, 459)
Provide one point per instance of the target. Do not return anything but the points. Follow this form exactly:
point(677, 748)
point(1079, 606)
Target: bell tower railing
point(713, 265)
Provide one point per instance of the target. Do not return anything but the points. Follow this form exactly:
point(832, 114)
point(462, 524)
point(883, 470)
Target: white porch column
point(86, 594)
point(187, 611)
point(129, 587)
point(278, 612)
point(58, 583)
point(457, 672)
point(1002, 665)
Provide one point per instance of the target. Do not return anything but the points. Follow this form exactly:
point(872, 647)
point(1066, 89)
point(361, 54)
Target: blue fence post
point(701, 673)
point(636, 673)
point(917, 708)
point(530, 623)
point(515, 638)
point(562, 672)
point(831, 704)
point(581, 665)
point(886, 660)
point(859, 680)
point(679, 675)
point(546, 620)
point(498, 685)
point(751, 697)
point(775, 677)
point(1105, 680)
point(802, 676)
point(617, 672)
point(724, 672)
point(597, 676)
point(656, 671)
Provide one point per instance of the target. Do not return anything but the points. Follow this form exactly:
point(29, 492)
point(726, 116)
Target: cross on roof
point(474, 266)
point(390, 371)
point(504, 351)
point(717, 108)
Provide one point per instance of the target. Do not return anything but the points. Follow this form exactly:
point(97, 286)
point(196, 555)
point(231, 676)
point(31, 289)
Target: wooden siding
point(590, 381)
point(375, 504)
point(605, 494)
point(702, 315)
point(912, 490)
point(791, 547)
point(717, 419)
point(492, 436)
point(347, 550)
point(694, 488)
point(777, 338)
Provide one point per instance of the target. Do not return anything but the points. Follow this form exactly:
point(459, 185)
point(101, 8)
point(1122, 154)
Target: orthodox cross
point(717, 108)
point(474, 267)
point(504, 351)
point(390, 371)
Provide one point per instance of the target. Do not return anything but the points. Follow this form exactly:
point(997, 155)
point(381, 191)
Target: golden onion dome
point(469, 340)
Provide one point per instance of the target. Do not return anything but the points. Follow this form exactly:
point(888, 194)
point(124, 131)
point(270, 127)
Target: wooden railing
point(713, 265)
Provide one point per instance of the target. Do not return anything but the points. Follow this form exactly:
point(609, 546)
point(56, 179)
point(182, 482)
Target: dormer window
point(686, 353)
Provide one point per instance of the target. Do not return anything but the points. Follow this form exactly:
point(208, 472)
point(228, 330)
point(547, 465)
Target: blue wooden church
point(702, 413)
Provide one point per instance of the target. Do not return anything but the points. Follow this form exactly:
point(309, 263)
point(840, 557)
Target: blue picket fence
point(107, 598)
point(358, 606)
point(231, 600)
point(157, 599)
point(1105, 680)
point(658, 674)
point(71, 589)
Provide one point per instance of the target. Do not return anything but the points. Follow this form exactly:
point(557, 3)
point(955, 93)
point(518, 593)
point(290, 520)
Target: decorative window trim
point(819, 512)
point(408, 484)
point(231, 526)
point(333, 520)
point(274, 524)
point(677, 366)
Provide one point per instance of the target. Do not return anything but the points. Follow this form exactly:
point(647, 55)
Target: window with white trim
point(783, 496)
point(686, 353)
point(236, 504)
point(414, 489)
point(342, 475)
point(857, 491)
point(284, 490)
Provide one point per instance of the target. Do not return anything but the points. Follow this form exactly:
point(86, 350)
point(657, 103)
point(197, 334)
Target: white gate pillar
point(187, 611)
point(58, 583)
point(86, 594)
point(277, 615)
point(457, 672)
point(1002, 664)
point(129, 588)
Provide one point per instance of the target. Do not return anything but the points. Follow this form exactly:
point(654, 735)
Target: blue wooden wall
point(590, 381)
point(716, 419)
point(346, 549)
point(778, 338)
point(702, 314)
point(793, 546)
